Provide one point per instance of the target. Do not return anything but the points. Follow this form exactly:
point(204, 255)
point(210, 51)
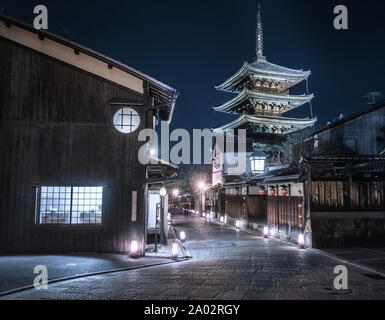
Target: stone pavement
point(227, 264)
point(373, 257)
point(17, 270)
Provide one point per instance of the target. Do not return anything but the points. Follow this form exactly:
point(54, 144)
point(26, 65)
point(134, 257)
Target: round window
point(126, 120)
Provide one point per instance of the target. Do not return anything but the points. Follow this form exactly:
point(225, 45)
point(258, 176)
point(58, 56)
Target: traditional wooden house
point(70, 179)
point(334, 196)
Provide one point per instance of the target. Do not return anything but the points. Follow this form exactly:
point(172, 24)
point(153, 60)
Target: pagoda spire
point(259, 36)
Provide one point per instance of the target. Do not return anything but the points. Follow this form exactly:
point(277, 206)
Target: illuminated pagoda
point(262, 98)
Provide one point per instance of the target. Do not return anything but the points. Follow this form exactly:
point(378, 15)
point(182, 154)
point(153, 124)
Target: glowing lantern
point(301, 241)
point(271, 191)
point(134, 248)
point(182, 236)
point(221, 219)
point(163, 191)
point(265, 232)
point(284, 191)
point(261, 191)
point(238, 224)
point(174, 251)
point(257, 160)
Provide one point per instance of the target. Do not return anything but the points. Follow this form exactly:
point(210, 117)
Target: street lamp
point(201, 186)
point(162, 191)
point(257, 160)
point(175, 193)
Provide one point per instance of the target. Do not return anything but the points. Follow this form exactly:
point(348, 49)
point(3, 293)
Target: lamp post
point(201, 186)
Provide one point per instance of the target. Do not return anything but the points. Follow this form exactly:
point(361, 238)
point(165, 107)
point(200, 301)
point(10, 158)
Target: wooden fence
point(285, 213)
point(342, 195)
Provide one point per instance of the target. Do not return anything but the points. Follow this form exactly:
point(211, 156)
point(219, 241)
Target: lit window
point(257, 164)
point(126, 120)
point(69, 205)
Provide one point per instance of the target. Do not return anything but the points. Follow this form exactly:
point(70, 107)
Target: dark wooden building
point(334, 195)
point(362, 133)
point(70, 179)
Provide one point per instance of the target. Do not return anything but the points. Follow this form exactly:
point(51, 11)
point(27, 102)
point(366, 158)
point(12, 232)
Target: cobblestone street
point(227, 264)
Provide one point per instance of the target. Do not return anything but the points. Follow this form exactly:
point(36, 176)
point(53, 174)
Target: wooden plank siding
point(285, 213)
point(256, 207)
point(234, 205)
point(350, 134)
point(335, 195)
point(56, 128)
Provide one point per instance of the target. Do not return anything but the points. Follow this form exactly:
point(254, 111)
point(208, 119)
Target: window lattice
point(69, 205)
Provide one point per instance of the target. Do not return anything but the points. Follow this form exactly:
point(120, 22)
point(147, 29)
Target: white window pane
point(55, 205)
point(126, 120)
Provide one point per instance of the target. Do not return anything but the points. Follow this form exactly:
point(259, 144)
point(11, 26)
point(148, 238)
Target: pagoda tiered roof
point(262, 90)
point(267, 124)
point(282, 77)
point(248, 101)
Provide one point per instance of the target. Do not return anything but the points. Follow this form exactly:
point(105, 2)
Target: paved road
point(17, 271)
point(373, 258)
point(226, 264)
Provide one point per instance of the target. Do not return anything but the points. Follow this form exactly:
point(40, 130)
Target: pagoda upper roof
point(290, 124)
point(288, 101)
point(263, 69)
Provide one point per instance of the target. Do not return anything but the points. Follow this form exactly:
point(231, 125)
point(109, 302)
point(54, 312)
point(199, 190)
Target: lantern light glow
point(301, 240)
point(163, 191)
point(134, 248)
point(265, 232)
point(182, 236)
point(174, 251)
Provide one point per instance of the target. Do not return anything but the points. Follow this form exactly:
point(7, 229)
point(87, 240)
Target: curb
point(343, 261)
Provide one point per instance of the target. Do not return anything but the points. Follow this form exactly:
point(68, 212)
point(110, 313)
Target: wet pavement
point(227, 264)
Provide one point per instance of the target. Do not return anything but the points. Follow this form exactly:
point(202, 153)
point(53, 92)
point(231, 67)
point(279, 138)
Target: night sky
point(194, 45)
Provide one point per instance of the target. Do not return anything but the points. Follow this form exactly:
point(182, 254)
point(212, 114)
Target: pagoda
point(262, 98)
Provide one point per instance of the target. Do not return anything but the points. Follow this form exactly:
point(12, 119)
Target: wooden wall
point(235, 206)
point(372, 142)
point(284, 213)
point(257, 207)
point(250, 207)
point(56, 128)
point(340, 195)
